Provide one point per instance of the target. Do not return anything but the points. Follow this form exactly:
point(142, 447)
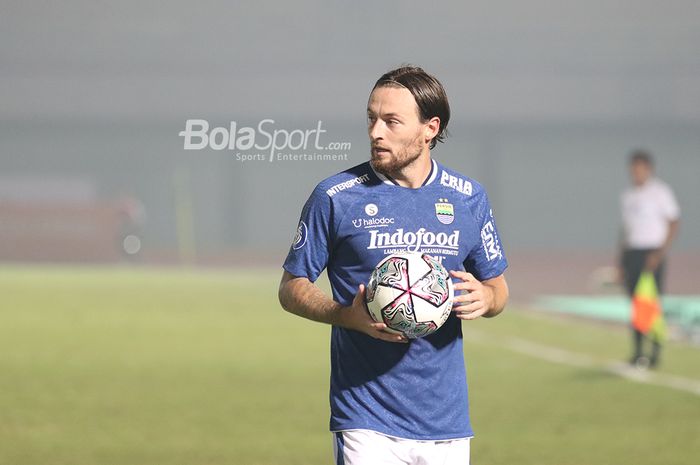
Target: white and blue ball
point(411, 293)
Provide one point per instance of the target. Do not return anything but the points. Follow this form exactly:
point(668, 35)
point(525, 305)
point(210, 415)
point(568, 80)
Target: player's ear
point(431, 128)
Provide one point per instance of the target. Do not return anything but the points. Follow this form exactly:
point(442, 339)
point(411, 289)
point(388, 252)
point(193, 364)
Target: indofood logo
point(263, 142)
point(413, 241)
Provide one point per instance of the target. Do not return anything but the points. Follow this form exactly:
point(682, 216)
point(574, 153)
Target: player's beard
point(396, 162)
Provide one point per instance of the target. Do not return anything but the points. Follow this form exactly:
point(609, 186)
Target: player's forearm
point(499, 292)
point(303, 298)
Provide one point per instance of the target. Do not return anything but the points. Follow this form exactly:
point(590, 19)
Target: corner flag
point(647, 316)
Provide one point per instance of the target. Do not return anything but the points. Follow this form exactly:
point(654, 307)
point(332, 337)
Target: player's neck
point(414, 175)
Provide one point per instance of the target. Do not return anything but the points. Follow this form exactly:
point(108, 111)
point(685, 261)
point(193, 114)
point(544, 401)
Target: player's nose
point(376, 130)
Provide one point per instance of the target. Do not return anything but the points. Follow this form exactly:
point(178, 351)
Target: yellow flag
point(647, 316)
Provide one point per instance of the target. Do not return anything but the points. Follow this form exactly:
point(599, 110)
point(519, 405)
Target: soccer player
point(393, 400)
point(650, 216)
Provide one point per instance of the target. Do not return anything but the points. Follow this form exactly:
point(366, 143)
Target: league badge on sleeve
point(444, 211)
point(300, 237)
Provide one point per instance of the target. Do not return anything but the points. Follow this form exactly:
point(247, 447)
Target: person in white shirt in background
point(650, 218)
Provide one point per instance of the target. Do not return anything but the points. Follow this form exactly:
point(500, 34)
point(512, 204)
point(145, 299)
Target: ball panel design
point(393, 272)
point(432, 288)
point(435, 265)
point(399, 316)
point(427, 313)
point(381, 297)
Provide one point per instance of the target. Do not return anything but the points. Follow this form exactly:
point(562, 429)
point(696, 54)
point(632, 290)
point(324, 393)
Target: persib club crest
point(444, 211)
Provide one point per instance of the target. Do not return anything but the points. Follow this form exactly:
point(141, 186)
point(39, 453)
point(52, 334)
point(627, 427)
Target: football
point(411, 293)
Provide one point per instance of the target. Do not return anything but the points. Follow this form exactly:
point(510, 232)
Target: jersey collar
point(391, 182)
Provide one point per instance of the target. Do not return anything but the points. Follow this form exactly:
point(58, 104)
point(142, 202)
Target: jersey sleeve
point(486, 260)
point(310, 249)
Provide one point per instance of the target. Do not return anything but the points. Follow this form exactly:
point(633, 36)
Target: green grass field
point(137, 366)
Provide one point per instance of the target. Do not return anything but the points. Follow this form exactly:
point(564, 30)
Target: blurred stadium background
point(548, 98)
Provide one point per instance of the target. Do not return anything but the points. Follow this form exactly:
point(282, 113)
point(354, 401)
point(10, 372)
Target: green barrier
point(681, 311)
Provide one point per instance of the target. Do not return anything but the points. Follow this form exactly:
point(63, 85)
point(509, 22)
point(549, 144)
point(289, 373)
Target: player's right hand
point(357, 317)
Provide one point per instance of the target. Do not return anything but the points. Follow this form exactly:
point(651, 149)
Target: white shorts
point(365, 447)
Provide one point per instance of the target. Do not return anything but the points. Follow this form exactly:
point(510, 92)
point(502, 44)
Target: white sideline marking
point(565, 357)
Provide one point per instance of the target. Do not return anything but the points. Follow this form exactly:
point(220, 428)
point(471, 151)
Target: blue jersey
point(352, 221)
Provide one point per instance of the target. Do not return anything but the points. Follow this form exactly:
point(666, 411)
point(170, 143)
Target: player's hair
point(428, 92)
point(641, 156)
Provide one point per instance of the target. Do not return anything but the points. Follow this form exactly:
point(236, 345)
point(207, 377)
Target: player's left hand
point(474, 301)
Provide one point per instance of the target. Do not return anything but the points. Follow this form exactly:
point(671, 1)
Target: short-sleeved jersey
point(352, 221)
point(647, 211)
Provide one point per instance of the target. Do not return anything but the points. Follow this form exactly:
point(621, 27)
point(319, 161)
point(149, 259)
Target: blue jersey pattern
point(352, 221)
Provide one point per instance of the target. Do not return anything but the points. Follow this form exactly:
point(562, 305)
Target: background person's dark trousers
point(633, 262)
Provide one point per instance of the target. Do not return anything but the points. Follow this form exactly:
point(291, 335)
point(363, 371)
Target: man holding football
point(393, 400)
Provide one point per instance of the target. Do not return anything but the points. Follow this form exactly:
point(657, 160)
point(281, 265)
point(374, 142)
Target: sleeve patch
point(300, 236)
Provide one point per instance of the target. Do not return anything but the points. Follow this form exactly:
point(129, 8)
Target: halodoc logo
point(264, 141)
